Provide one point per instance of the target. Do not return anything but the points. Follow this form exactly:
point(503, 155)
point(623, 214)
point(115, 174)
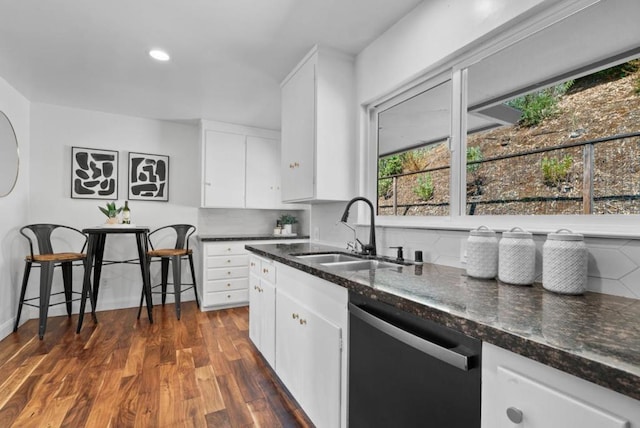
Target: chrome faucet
point(370, 248)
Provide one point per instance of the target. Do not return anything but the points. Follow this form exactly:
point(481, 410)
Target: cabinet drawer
point(224, 261)
point(226, 249)
point(226, 273)
point(226, 285)
point(226, 297)
point(544, 406)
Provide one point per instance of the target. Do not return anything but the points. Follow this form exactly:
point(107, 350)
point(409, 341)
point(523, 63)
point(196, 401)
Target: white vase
point(288, 229)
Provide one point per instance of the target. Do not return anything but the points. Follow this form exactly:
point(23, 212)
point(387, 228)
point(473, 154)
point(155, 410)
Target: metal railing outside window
point(588, 197)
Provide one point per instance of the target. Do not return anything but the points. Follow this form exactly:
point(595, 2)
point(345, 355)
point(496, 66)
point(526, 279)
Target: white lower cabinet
point(299, 324)
point(520, 392)
point(262, 307)
point(308, 350)
point(223, 280)
point(225, 275)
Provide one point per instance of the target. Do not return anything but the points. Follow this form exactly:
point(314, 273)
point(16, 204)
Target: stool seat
point(168, 252)
point(56, 257)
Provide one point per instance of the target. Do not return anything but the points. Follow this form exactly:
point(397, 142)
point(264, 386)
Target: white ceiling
point(228, 57)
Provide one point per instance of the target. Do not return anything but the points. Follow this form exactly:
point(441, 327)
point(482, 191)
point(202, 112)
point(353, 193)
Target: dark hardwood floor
point(198, 372)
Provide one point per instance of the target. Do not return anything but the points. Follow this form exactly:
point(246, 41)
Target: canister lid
point(565, 235)
point(483, 231)
point(517, 233)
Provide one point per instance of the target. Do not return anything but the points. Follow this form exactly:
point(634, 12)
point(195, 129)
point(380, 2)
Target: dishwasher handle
point(443, 354)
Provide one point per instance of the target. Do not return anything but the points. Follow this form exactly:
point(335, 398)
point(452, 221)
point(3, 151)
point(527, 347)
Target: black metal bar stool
point(46, 259)
point(175, 255)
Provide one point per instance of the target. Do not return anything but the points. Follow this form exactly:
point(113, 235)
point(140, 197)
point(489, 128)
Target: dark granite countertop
point(248, 237)
point(595, 336)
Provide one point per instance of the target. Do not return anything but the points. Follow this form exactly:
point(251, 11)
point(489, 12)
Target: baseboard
point(28, 312)
point(6, 328)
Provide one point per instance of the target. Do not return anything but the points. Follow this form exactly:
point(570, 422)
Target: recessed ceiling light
point(159, 55)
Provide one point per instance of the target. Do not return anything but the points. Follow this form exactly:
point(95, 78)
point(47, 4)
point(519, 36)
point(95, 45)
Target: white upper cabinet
point(224, 174)
point(318, 129)
point(263, 173)
point(240, 167)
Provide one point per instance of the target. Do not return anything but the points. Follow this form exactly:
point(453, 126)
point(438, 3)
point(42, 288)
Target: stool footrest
point(26, 301)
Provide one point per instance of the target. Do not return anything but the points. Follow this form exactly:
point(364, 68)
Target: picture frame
point(148, 177)
point(94, 173)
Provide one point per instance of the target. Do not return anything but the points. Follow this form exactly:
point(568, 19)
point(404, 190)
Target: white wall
point(55, 129)
point(326, 228)
point(432, 32)
point(14, 208)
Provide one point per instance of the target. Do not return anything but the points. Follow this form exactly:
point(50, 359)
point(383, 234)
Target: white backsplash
point(614, 264)
point(229, 221)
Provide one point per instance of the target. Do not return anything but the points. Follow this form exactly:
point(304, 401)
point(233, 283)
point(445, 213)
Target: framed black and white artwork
point(148, 177)
point(94, 173)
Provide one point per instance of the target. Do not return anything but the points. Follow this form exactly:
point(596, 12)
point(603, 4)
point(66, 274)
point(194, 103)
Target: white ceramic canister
point(564, 262)
point(482, 253)
point(517, 257)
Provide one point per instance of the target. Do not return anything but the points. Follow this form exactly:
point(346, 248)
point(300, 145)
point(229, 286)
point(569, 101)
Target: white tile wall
point(222, 221)
point(614, 264)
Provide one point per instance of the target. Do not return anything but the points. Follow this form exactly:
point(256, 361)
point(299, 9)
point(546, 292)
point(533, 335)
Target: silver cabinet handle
point(448, 356)
point(515, 415)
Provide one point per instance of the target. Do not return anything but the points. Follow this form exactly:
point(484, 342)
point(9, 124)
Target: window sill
point(611, 226)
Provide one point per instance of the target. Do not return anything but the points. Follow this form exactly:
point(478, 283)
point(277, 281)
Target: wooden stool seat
point(56, 257)
point(168, 252)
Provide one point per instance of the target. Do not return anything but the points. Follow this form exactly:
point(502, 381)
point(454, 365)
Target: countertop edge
point(613, 378)
point(224, 238)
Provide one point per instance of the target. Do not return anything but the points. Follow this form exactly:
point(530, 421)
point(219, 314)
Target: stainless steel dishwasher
point(405, 371)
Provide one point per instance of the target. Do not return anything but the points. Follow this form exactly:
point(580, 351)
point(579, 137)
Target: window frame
point(456, 68)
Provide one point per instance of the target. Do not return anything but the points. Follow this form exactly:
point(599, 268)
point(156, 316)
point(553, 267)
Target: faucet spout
point(370, 248)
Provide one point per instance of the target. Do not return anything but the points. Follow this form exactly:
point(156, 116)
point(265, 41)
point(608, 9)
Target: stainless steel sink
point(359, 265)
point(329, 258)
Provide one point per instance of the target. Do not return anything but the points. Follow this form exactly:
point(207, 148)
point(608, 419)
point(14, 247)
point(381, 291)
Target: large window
point(551, 128)
point(574, 148)
point(413, 154)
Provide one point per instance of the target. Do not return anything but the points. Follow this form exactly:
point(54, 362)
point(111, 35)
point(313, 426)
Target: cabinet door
point(289, 343)
point(308, 359)
point(262, 317)
point(298, 133)
point(224, 175)
point(255, 310)
point(263, 173)
point(268, 322)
